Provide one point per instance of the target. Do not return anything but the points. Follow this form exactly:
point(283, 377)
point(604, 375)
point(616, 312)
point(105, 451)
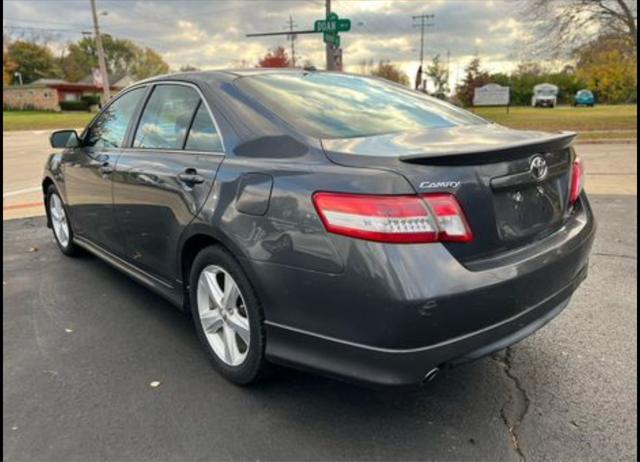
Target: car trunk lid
point(497, 174)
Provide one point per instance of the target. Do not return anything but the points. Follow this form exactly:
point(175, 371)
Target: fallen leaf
point(33, 249)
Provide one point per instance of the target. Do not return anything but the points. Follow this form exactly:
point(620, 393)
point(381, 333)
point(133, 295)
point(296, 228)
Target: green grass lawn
point(580, 119)
point(36, 120)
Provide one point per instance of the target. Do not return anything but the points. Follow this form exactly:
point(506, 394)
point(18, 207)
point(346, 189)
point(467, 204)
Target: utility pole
point(331, 60)
point(448, 60)
point(424, 22)
point(103, 66)
point(292, 39)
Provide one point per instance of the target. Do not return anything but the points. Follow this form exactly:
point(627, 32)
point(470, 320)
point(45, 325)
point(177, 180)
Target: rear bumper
point(386, 367)
point(396, 312)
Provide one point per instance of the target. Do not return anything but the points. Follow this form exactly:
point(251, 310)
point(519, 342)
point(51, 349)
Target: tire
point(237, 360)
point(60, 224)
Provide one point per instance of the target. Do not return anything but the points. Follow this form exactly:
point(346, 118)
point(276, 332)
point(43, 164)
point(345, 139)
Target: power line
point(44, 29)
point(35, 21)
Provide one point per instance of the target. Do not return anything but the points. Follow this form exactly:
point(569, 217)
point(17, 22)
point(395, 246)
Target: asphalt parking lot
point(82, 343)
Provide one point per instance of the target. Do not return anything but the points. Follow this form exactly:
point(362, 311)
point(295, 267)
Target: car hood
point(439, 142)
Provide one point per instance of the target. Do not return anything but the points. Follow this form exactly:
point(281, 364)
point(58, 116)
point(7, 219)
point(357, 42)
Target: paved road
point(611, 169)
point(82, 343)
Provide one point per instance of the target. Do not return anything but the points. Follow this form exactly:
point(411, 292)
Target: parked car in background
point(332, 222)
point(545, 95)
point(584, 98)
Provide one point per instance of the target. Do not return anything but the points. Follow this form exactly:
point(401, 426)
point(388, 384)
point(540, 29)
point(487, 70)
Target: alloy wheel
point(59, 220)
point(223, 315)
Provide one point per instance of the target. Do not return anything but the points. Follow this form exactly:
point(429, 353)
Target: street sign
point(332, 24)
point(332, 39)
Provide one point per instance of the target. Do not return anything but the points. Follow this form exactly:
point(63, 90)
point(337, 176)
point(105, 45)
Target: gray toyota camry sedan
point(332, 222)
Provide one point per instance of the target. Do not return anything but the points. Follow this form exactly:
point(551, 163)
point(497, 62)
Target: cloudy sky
point(210, 34)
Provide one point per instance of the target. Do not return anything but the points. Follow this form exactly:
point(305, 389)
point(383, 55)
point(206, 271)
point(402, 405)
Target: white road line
point(18, 192)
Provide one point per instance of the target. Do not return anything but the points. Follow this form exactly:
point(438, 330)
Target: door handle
point(106, 168)
point(190, 177)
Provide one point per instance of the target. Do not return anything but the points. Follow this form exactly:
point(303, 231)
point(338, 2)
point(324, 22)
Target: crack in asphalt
point(521, 400)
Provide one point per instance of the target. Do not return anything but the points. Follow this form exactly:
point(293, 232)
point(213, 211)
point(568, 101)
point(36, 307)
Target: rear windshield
point(327, 105)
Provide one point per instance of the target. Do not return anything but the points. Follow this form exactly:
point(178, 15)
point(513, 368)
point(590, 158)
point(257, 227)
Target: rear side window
point(203, 135)
point(110, 127)
point(167, 117)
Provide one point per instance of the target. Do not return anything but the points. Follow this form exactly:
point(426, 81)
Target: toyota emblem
point(538, 168)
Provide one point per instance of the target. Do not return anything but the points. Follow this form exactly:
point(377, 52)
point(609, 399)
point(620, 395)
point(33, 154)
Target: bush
point(24, 108)
point(74, 105)
point(91, 100)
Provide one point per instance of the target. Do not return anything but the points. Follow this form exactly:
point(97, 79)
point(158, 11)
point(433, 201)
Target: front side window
point(110, 128)
point(167, 117)
point(203, 135)
point(345, 106)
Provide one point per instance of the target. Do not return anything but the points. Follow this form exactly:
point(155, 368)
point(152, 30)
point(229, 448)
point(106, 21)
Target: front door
point(88, 172)
point(164, 177)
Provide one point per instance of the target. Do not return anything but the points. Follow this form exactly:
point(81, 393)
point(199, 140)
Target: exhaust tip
point(431, 375)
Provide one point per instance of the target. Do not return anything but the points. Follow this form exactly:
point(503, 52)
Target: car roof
point(224, 75)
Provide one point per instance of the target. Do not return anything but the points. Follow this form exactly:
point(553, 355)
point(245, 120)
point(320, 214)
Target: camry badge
point(447, 184)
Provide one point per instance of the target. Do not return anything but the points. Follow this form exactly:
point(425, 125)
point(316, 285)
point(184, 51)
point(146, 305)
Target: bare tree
point(561, 26)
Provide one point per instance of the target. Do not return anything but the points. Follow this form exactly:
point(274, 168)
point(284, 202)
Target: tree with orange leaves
point(275, 58)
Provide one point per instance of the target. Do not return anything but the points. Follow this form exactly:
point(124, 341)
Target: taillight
point(398, 219)
point(577, 180)
point(452, 224)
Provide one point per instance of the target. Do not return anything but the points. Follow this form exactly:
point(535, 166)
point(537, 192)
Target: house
point(46, 94)
point(117, 81)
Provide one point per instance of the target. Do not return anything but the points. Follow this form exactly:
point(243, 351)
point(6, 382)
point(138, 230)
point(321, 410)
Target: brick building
point(46, 94)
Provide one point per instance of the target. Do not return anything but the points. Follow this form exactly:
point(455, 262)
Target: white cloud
point(212, 34)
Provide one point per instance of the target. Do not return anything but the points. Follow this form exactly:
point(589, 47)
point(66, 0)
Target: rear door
point(165, 174)
point(88, 171)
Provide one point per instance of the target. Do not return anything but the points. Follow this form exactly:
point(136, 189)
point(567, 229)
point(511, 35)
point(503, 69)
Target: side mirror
point(64, 139)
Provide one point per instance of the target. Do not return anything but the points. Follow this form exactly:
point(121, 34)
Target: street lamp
point(19, 76)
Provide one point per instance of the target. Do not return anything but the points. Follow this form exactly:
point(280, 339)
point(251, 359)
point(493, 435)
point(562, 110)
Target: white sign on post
point(97, 77)
point(492, 95)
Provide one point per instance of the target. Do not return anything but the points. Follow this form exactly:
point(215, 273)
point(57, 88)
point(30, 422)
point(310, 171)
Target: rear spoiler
point(551, 142)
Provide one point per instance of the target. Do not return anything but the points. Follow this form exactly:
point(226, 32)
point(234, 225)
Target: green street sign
point(332, 24)
point(332, 39)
